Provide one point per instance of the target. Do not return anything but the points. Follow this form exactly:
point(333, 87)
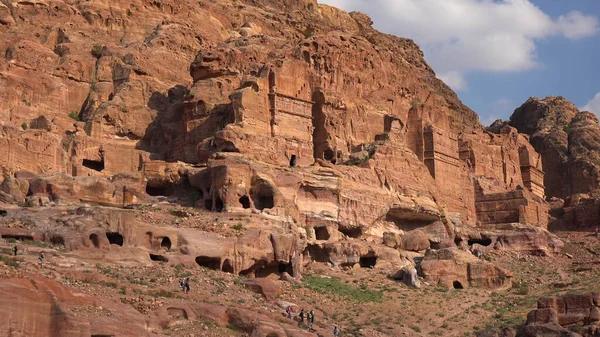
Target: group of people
point(185, 285)
point(16, 251)
point(310, 318)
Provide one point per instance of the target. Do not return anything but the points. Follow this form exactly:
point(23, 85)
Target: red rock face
point(567, 140)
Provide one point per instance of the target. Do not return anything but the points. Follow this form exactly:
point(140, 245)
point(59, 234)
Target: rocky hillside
point(278, 147)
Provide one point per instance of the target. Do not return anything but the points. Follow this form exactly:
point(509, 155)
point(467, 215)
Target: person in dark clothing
point(301, 316)
point(42, 257)
point(187, 285)
point(15, 249)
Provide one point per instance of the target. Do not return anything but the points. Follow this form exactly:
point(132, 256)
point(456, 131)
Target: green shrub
point(237, 227)
point(97, 51)
point(24, 126)
point(415, 328)
point(74, 116)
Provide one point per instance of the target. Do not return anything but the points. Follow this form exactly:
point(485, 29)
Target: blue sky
point(497, 53)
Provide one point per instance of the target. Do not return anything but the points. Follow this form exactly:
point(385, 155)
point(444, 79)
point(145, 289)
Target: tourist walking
point(15, 249)
point(42, 257)
point(336, 331)
point(301, 316)
point(289, 312)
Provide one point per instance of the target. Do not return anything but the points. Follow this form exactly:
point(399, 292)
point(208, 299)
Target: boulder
point(263, 286)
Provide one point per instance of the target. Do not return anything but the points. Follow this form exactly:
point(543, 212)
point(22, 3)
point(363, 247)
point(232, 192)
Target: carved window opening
point(96, 165)
point(293, 161)
point(115, 238)
point(457, 285)
point(321, 233)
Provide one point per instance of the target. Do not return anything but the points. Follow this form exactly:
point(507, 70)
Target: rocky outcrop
point(36, 306)
point(568, 141)
point(459, 269)
point(566, 310)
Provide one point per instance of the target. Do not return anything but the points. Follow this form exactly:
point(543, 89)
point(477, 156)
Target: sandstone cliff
point(304, 136)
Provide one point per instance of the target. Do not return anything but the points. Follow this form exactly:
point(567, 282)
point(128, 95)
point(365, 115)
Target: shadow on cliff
point(181, 124)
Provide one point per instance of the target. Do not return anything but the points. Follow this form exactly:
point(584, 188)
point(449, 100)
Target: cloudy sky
point(497, 53)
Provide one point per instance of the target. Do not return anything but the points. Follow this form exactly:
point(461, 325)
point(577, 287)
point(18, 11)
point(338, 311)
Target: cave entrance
point(317, 253)
point(293, 161)
point(213, 263)
point(457, 285)
point(368, 261)
point(351, 232)
point(96, 165)
point(160, 258)
point(95, 241)
point(227, 267)
point(483, 241)
point(263, 196)
point(321, 233)
point(166, 243)
point(274, 269)
point(18, 237)
point(159, 191)
point(57, 240)
point(245, 201)
point(114, 238)
point(219, 205)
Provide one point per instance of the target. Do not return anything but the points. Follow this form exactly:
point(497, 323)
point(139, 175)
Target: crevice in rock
point(457, 285)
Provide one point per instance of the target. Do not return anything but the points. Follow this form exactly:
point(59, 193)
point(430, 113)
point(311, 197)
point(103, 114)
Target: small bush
point(237, 227)
point(523, 289)
point(24, 126)
point(11, 262)
point(415, 328)
point(74, 116)
point(97, 51)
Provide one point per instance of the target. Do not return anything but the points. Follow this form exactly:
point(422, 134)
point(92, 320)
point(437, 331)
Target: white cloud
point(593, 105)
point(454, 79)
point(460, 36)
point(576, 25)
